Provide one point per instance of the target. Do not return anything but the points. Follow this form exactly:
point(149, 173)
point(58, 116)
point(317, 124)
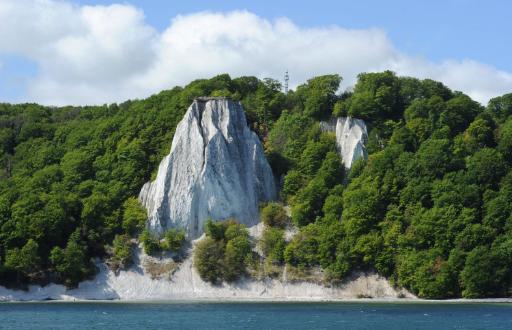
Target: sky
point(59, 52)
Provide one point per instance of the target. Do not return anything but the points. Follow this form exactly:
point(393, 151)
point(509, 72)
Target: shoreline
point(268, 300)
point(184, 285)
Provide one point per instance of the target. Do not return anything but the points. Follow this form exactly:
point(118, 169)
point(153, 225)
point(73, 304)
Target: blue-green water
point(254, 316)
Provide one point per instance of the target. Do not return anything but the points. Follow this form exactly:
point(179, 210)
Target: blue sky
point(98, 51)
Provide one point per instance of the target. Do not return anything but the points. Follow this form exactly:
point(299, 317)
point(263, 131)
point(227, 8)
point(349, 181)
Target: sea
point(193, 315)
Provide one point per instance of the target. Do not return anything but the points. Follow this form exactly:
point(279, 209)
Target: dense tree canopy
point(430, 208)
point(69, 176)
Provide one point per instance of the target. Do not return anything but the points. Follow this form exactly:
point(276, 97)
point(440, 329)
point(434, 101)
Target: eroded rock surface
point(351, 137)
point(216, 168)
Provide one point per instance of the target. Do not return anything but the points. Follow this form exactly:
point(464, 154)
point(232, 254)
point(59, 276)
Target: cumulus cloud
point(103, 54)
point(88, 54)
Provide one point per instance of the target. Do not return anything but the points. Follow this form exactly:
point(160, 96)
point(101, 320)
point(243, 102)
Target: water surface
point(101, 315)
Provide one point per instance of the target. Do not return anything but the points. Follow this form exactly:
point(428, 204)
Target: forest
point(430, 209)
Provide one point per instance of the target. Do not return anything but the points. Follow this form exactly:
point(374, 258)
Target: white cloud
point(102, 54)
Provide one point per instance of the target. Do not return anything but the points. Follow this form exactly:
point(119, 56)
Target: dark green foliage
point(69, 168)
point(302, 251)
point(173, 240)
point(287, 139)
point(485, 273)
point(319, 95)
point(150, 242)
point(500, 107)
point(427, 274)
point(134, 216)
point(272, 244)
point(215, 229)
point(307, 204)
point(459, 113)
point(122, 251)
point(434, 158)
point(485, 168)
point(25, 260)
point(208, 259)
point(225, 253)
point(430, 208)
point(274, 215)
point(236, 257)
point(71, 263)
point(376, 95)
point(479, 135)
point(505, 141)
point(434, 189)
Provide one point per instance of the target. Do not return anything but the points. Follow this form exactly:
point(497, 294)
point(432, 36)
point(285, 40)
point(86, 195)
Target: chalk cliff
point(351, 137)
point(216, 168)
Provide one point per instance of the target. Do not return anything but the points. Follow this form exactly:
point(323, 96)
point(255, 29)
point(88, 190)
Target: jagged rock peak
point(351, 138)
point(216, 169)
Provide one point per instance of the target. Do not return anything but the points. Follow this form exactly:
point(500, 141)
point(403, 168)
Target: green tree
point(234, 230)
point(134, 216)
point(505, 140)
point(478, 135)
point(236, 257)
point(272, 244)
point(150, 242)
point(320, 95)
point(26, 260)
point(500, 107)
point(486, 167)
point(71, 262)
point(482, 274)
point(208, 259)
point(173, 240)
point(122, 251)
point(459, 113)
point(274, 215)
point(302, 251)
point(376, 95)
point(215, 229)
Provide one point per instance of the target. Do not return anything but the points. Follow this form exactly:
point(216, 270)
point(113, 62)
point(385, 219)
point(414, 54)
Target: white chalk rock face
point(216, 169)
point(351, 137)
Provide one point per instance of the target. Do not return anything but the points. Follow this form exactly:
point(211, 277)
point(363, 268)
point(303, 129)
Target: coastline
point(181, 282)
point(134, 287)
point(184, 285)
point(273, 301)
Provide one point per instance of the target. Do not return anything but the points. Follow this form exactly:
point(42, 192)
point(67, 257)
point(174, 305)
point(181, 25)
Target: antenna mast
point(286, 79)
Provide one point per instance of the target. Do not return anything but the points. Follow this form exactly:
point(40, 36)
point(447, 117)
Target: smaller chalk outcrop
point(216, 169)
point(351, 138)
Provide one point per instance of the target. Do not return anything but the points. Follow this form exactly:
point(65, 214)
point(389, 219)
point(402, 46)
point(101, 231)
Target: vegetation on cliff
point(431, 208)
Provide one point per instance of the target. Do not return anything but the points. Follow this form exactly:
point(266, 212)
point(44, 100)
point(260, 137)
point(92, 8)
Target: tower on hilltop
point(286, 79)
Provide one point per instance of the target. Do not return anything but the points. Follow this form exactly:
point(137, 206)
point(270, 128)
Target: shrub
point(134, 216)
point(122, 251)
point(274, 215)
point(150, 242)
point(208, 257)
point(236, 255)
point(234, 230)
point(225, 252)
point(272, 244)
point(173, 240)
point(302, 250)
point(215, 229)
